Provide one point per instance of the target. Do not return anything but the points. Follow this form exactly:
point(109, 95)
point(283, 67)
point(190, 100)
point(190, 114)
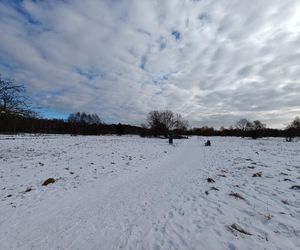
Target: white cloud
point(224, 60)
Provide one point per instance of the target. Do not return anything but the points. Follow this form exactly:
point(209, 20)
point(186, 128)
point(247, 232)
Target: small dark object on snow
point(239, 229)
point(258, 174)
point(8, 196)
point(222, 175)
point(207, 143)
point(206, 192)
point(28, 190)
point(214, 188)
point(48, 181)
point(171, 138)
point(251, 167)
point(210, 180)
point(285, 202)
point(269, 216)
point(287, 179)
point(236, 195)
point(296, 187)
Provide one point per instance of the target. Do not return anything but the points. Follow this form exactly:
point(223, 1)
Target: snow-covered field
point(136, 193)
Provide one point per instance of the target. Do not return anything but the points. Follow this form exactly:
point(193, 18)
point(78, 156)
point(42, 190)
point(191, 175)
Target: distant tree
point(257, 129)
point(84, 118)
point(244, 124)
point(74, 118)
point(258, 125)
point(95, 119)
point(120, 130)
point(156, 123)
point(13, 101)
point(293, 129)
point(161, 119)
point(180, 123)
point(222, 128)
point(295, 124)
point(162, 122)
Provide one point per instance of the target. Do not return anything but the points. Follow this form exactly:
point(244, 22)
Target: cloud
point(213, 61)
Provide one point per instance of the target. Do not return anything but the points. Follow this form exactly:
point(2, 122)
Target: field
point(128, 192)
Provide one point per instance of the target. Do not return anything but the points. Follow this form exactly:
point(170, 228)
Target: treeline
point(21, 124)
point(255, 129)
point(267, 132)
point(161, 126)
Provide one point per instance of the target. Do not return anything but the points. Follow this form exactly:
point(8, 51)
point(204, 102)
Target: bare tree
point(293, 129)
point(257, 129)
point(244, 124)
point(156, 122)
point(168, 119)
point(162, 122)
point(295, 124)
point(153, 118)
point(84, 118)
point(12, 99)
point(258, 125)
point(180, 123)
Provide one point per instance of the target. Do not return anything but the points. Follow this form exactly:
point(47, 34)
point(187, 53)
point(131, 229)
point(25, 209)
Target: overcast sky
point(213, 61)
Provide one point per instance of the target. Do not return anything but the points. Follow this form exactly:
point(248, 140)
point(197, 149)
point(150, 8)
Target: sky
point(213, 61)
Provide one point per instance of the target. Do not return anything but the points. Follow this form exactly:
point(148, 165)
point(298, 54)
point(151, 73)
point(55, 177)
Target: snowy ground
point(136, 193)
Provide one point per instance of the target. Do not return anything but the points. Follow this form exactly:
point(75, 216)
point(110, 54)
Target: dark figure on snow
point(207, 143)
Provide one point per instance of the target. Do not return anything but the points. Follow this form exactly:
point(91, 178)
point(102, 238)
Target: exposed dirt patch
point(258, 174)
point(48, 181)
point(210, 180)
point(236, 195)
point(28, 190)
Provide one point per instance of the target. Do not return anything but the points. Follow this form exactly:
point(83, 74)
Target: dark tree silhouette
point(13, 101)
point(295, 124)
point(162, 122)
point(257, 128)
point(120, 130)
point(243, 124)
point(258, 125)
point(84, 118)
point(293, 129)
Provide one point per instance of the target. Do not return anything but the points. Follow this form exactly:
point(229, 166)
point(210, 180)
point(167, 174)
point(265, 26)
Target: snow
point(129, 192)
